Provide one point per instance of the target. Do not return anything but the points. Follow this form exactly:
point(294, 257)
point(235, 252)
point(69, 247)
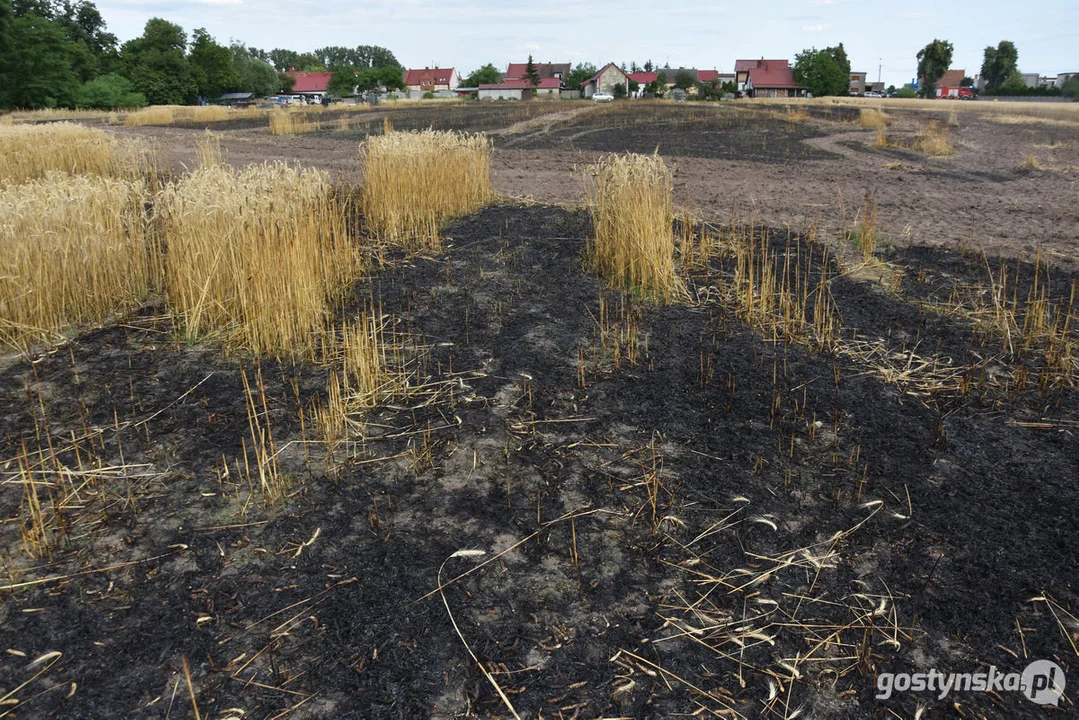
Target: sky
point(466, 34)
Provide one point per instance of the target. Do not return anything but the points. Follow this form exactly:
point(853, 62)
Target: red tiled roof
point(544, 84)
point(707, 75)
point(644, 78)
point(601, 71)
point(744, 65)
point(432, 76)
point(516, 71)
point(771, 75)
point(310, 81)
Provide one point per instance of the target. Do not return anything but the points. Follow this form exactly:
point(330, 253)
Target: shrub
point(109, 92)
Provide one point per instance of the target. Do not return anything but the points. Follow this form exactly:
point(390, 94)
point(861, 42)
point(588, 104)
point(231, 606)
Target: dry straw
point(413, 182)
point(873, 118)
point(284, 122)
point(258, 255)
point(30, 151)
point(169, 114)
point(72, 250)
point(633, 215)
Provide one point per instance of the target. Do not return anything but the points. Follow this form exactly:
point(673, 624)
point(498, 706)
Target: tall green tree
point(255, 75)
point(578, 75)
point(283, 59)
point(211, 66)
point(39, 67)
point(1071, 88)
point(999, 63)
point(839, 55)
point(486, 75)
point(531, 73)
point(157, 65)
point(345, 78)
point(684, 80)
point(821, 73)
point(7, 17)
point(933, 62)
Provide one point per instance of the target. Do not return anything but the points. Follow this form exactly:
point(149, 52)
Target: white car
point(603, 97)
point(874, 94)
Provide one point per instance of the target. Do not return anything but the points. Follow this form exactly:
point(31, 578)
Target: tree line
point(59, 53)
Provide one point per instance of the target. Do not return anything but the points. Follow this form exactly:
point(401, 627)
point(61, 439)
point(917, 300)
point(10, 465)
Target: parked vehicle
point(874, 94)
point(603, 97)
point(955, 93)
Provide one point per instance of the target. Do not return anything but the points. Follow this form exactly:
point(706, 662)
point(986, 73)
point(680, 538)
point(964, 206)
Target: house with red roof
point(643, 79)
point(312, 85)
point(609, 76)
point(432, 80)
point(516, 71)
point(767, 78)
point(519, 89)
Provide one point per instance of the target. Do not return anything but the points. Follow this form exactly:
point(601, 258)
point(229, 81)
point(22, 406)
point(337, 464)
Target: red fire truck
point(955, 93)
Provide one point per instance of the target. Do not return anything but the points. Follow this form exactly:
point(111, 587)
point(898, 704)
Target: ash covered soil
point(697, 517)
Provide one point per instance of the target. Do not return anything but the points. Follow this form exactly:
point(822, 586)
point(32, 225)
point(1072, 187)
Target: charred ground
point(696, 519)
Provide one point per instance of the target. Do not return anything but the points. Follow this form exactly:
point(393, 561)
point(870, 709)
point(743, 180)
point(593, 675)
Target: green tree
point(933, 62)
point(839, 54)
point(390, 77)
point(967, 82)
point(684, 80)
point(7, 17)
point(486, 75)
point(212, 66)
point(283, 59)
point(619, 91)
point(109, 92)
point(531, 74)
point(998, 64)
point(285, 82)
point(579, 75)
point(648, 66)
point(254, 75)
point(821, 73)
point(1071, 87)
point(906, 92)
point(157, 66)
point(634, 86)
point(344, 80)
point(39, 66)
point(658, 86)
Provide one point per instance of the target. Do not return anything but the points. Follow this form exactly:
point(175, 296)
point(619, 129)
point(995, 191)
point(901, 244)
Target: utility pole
point(881, 65)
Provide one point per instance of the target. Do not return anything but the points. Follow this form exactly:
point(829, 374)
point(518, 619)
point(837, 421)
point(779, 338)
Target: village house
point(605, 81)
point(670, 75)
point(432, 80)
point(517, 71)
point(520, 90)
point(767, 79)
point(313, 86)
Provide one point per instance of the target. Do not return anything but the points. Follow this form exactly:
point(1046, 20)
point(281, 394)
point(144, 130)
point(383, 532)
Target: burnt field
point(672, 130)
point(825, 456)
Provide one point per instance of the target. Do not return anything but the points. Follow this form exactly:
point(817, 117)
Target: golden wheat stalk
point(413, 182)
